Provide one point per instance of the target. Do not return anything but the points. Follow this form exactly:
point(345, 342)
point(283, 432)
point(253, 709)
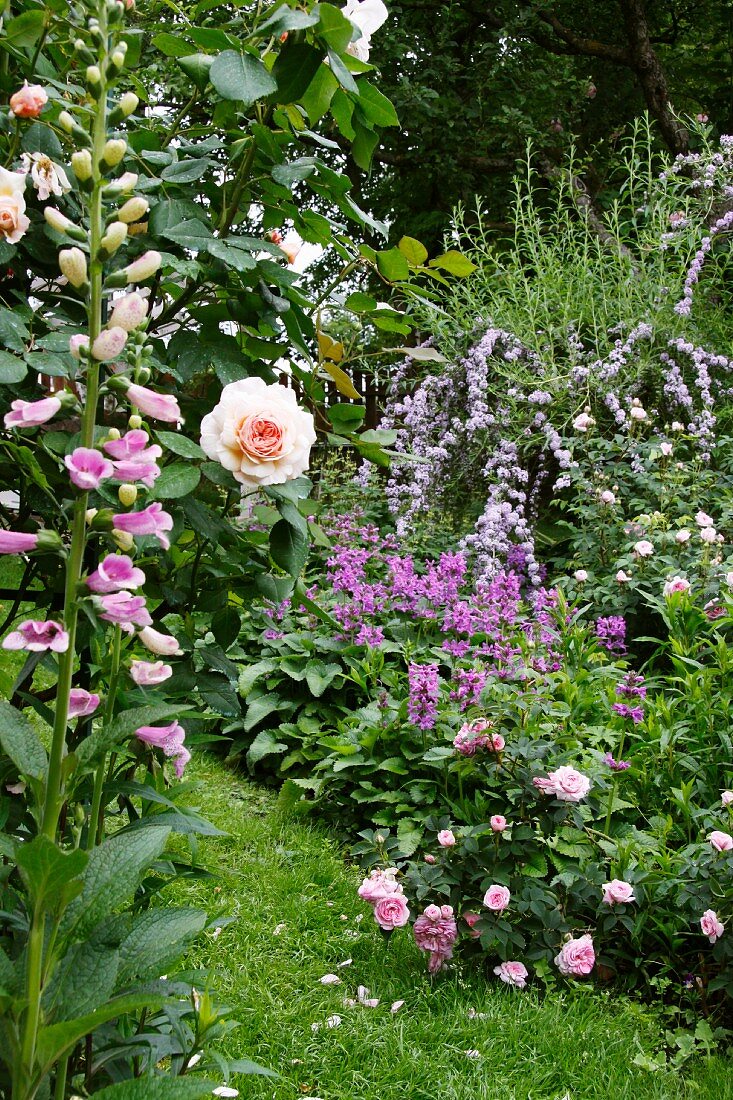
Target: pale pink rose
point(435, 931)
point(471, 920)
point(160, 406)
point(702, 519)
point(82, 703)
point(28, 101)
point(36, 636)
point(622, 578)
point(682, 536)
point(727, 798)
point(498, 823)
point(429, 858)
point(676, 584)
point(583, 422)
point(29, 414)
point(513, 973)
point(114, 573)
point(722, 842)
point(607, 497)
point(708, 535)
point(636, 412)
point(497, 898)
point(148, 673)
point(577, 957)
point(88, 468)
point(666, 449)
point(13, 220)
point(391, 912)
point(617, 892)
point(165, 645)
point(711, 926)
point(379, 884)
point(581, 575)
point(259, 433)
point(495, 742)
point(643, 548)
point(446, 838)
point(565, 783)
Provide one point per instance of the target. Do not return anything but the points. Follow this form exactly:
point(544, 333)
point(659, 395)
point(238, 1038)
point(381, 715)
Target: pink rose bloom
point(436, 931)
point(88, 468)
point(577, 957)
point(124, 609)
point(513, 973)
point(565, 783)
point(29, 414)
point(727, 798)
point(723, 842)
point(682, 536)
point(148, 673)
point(496, 742)
point(165, 645)
point(28, 101)
point(149, 521)
point(643, 548)
point(709, 535)
point(498, 823)
point(391, 912)
point(36, 636)
point(497, 898)
point(711, 926)
point(82, 703)
point(17, 542)
point(581, 575)
point(115, 573)
point(607, 497)
point(471, 920)
point(676, 584)
point(14, 222)
point(446, 838)
point(617, 892)
point(160, 406)
point(429, 858)
point(702, 519)
point(379, 884)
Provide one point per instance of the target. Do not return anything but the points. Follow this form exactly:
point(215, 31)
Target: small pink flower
point(150, 521)
point(495, 742)
point(36, 636)
point(17, 542)
point(498, 823)
point(722, 842)
point(709, 535)
point(702, 519)
point(577, 957)
point(125, 610)
point(29, 414)
point(643, 548)
point(622, 578)
point(82, 703)
point(379, 884)
point(446, 838)
point(391, 912)
point(165, 645)
point(88, 468)
point(618, 892)
point(513, 973)
point(28, 101)
point(471, 919)
point(666, 449)
point(130, 470)
point(161, 406)
point(727, 798)
point(711, 926)
point(565, 783)
point(132, 445)
point(497, 898)
point(581, 575)
point(114, 573)
point(607, 497)
point(168, 738)
point(682, 536)
point(148, 673)
point(129, 312)
point(76, 343)
point(435, 931)
point(429, 858)
point(676, 585)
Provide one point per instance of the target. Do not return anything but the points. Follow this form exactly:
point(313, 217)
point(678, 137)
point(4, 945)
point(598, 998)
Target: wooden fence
point(372, 394)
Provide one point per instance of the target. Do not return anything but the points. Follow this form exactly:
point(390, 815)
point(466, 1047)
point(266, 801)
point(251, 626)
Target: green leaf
point(376, 108)
point(12, 368)
point(13, 330)
point(261, 708)
point(191, 233)
point(39, 138)
point(241, 77)
point(363, 146)
point(197, 67)
point(180, 444)
point(264, 744)
point(288, 547)
point(20, 742)
point(158, 1088)
point(534, 865)
point(156, 938)
point(317, 98)
point(294, 69)
point(334, 27)
point(346, 418)
point(290, 173)
point(454, 262)
point(111, 877)
point(171, 45)
point(360, 303)
point(409, 836)
point(82, 981)
point(51, 875)
point(225, 626)
point(319, 675)
point(285, 19)
point(341, 73)
point(414, 252)
point(186, 171)
point(26, 29)
point(392, 265)
point(218, 693)
point(176, 481)
point(233, 255)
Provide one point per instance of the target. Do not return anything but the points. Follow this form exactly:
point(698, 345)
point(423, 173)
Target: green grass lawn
point(298, 918)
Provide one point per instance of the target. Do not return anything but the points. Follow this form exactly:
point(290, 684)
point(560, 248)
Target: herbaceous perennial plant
point(81, 998)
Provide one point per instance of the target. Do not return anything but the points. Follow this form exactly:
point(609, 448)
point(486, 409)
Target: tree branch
point(587, 47)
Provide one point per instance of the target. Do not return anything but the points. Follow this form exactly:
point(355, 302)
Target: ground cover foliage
point(297, 918)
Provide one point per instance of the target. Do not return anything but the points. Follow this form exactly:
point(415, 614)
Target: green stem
point(95, 831)
point(22, 1087)
point(179, 119)
point(61, 1074)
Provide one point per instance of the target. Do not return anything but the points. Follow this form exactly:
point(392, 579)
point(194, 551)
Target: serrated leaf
point(155, 938)
point(319, 675)
point(180, 444)
point(261, 708)
point(82, 981)
point(12, 368)
point(51, 876)
point(20, 742)
point(264, 744)
point(176, 481)
point(158, 1088)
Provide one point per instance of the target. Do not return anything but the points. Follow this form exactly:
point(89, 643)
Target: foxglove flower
point(82, 703)
point(36, 636)
point(125, 610)
point(114, 573)
point(149, 673)
point(165, 645)
point(150, 521)
point(29, 414)
point(88, 468)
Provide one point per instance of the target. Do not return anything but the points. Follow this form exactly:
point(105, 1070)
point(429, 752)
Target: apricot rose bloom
point(28, 101)
point(13, 219)
point(259, 432)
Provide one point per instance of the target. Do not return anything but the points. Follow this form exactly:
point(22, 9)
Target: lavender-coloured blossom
point(422, 706)
point(611, 633)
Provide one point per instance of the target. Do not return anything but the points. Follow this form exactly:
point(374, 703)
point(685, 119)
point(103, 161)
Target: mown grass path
point(298, 918)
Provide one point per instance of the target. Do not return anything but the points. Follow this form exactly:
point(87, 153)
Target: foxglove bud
point(73, 264)
point(117, 60)
point(101, 519)
point(89, 516)
point(83, 51)
point(129, 312)
point(66, 122)
point(128, 103)
point(143, 375)
point(127, 495)
point(142, 268)
point(135, 422)
point(81, 162)
point(109, 344)
point(121, 186)
point(78, 343)
point(114, 433)
point(113, 238)
point(94, 75)
point(124, 539)
point(56, 219)
point(114, 151)
point(133, 209)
